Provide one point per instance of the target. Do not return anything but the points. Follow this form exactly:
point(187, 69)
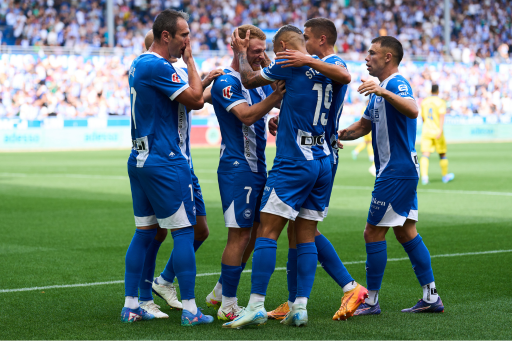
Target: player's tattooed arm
point(355, 131)
point(250, 79)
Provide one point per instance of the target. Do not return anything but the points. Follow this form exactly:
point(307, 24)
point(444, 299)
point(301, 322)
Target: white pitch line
point(421, 190)
point(249, 271)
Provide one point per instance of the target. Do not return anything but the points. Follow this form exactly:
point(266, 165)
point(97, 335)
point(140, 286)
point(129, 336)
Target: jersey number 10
point(326, 98)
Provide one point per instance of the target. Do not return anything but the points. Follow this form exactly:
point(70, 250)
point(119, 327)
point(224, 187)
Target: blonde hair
point(256, 33)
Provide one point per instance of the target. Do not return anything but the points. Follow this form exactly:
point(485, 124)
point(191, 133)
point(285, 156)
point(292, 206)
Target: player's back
point(243, 147)
point(338, 98)
point(393, 133)
point(304, 112)
point(431, 109)
point(156, 134)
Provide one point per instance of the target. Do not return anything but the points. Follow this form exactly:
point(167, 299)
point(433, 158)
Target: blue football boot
point(188, 319)
point(424, 307)
point(131, 315)
point(366, 309)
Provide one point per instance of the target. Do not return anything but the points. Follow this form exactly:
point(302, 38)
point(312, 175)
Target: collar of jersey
point(325, 58)
point(387, 79)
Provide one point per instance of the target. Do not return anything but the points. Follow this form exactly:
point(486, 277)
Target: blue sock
point(168, 273)
point(420, 259)
point(376, 259)
point(220, 278)
point(232, 276)
point(197, 244)
point(184, 262)
point(307, 257)
point(291, 274)
point(263, 264)
point(331, 262)
point(134, 260)
point(146, 281)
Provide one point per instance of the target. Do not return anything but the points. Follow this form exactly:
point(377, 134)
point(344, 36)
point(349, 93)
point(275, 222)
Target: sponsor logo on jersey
point(175, 78)
point(246, 143)
point(267, 188)
point(226, 92)
point(378, 99)
point(132, 71)
point(403, 87)
point(247, 213)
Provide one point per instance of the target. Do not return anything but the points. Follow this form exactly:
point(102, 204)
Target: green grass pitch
point(66, 218)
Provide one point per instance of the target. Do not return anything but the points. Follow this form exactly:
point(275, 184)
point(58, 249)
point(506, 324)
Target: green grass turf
point(58, 229)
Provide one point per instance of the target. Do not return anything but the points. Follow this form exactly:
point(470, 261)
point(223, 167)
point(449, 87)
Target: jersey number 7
point(326, 99)
point(134, 93)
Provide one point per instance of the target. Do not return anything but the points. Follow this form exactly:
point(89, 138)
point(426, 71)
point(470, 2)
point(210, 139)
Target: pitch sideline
point(247, 271)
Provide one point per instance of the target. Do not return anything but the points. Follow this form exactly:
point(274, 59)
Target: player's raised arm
point(250, 79)
point(337, 73)
point(251, 114)
point(192, 97)
point(405, 105)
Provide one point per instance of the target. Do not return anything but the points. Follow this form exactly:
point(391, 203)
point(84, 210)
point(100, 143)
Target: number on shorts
point(191, 192)
point(325, 98)
point(248, 193)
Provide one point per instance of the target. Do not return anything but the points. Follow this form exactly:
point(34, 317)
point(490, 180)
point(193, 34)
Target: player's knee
point(405, 233)
point(161, 234)
point(374, 233)
point(201, 231)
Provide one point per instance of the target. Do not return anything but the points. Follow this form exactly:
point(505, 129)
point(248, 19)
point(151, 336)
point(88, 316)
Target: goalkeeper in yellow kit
point(433, 110)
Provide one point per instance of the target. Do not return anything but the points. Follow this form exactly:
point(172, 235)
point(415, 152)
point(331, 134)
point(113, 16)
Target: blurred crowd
point(479, 29)
point(33, 88)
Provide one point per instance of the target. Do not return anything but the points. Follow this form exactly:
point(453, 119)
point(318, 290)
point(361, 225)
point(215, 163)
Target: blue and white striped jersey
point(338, 98)
point(304, 112)
point(393, 134)
point(243, 147)
point(158, 121)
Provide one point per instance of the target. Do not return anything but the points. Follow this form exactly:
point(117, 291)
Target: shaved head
point(148, 40)
point(289, 36)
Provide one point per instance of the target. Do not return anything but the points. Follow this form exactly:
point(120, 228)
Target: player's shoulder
point(397, 82)
point(227, 79)
point(334, 59)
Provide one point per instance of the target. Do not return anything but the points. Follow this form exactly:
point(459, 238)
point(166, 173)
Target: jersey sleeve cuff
point(179, 91)
point(366, 117)
point(234, 104)
point(266, 77)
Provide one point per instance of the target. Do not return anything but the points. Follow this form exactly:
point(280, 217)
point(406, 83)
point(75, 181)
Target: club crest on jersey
point(175, 78)
point(247, 213)
point(226, 92)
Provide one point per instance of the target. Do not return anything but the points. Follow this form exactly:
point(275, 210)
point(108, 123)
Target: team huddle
point(307, 81)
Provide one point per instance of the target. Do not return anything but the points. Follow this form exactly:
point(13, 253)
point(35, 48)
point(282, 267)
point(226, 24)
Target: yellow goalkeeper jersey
point(431, 108)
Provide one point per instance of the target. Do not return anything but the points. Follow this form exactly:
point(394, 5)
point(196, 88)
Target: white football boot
point(168, 294)
point(154, 309)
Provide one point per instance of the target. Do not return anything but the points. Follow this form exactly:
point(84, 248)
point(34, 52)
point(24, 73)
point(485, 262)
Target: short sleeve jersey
point(304, 112)
point(431, 109)
point(338, 97)
point(156, 135)
point(393, 134)
point(242, 147)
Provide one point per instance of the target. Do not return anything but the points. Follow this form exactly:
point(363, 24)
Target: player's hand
point(370, 87)
point(341, 134)
point(272, 125)
point(238, 44)
point(211, 76)
point(294, 58)
point(187, 54)
point(267, 60)
point(280, 89)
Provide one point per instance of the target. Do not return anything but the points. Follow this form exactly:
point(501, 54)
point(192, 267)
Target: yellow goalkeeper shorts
point(430, 145)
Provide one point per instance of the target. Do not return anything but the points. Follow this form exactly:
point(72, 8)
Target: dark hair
point(167, 21)
point(284, 29)
point(323, 26)
point(435, 88)
point(393, 44)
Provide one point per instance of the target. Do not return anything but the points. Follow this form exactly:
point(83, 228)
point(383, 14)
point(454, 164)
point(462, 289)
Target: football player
point(391, 117)
point(320, 36)
point(160, 176)
point(433, 110)
point(242, 172)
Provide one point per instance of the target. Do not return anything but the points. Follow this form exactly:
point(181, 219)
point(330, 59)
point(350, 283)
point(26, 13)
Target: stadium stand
point(480, 29)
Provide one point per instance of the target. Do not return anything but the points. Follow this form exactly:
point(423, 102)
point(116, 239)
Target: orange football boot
point(350, 301)
point(280, 312)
